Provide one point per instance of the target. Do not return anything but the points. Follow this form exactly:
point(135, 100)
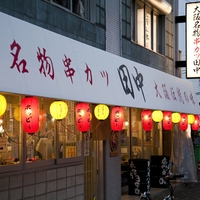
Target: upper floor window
point(93, 11)
point(126, 19)
point(147, 27)
point(141, 23)
point(100, 12)
point(79, 7)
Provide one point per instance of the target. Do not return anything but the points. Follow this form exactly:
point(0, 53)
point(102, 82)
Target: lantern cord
point(9, 138)
point(96, 126)
point(66, 128)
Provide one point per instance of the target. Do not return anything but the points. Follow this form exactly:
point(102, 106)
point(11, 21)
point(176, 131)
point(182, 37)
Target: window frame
point(56, 161)
point(156, 44)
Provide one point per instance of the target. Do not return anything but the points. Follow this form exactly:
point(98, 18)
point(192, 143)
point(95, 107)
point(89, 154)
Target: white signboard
point(192, 40)
point(35, 61)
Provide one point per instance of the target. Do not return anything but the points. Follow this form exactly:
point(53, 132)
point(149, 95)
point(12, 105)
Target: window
point(10, 132)
point(126, 19)
point(54, 139)
point(100, 12)
point(141, 24)
point(69, 137)
point(79, 7)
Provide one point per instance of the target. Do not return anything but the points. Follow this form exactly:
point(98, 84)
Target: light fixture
point(146, 117)
point(117, 118)
point(190, 119)
point(101, 111)
point(183, 124)
point(30, 114)
point(83, 116)
point(3, 104)
point(58, 110)
point(167, 120)
point(195, 125)
point(176, 117)
point(157, 115)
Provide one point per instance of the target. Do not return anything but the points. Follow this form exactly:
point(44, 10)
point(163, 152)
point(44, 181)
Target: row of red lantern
point(31, 116)
point(167, 119)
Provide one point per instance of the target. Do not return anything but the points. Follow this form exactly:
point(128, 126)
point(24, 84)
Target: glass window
point(79, 7)
point(10, 132)
point(148, 37)
point(69, 137)
point(126, 20)
point(52, 139)
point(146, 27)
point(40, 145)
point(100, 12)
point(140, 24)
point(156, 38)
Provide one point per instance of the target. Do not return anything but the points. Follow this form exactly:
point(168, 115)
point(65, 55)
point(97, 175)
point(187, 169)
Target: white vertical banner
point(192, 40)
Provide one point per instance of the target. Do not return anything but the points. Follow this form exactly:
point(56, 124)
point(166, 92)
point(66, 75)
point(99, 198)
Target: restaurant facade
point(64, 57)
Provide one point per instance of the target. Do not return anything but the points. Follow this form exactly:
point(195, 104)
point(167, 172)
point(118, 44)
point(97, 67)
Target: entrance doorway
point(94, 169)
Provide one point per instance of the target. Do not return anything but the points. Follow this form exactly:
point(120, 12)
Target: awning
point(35, 61)
point(163, 6)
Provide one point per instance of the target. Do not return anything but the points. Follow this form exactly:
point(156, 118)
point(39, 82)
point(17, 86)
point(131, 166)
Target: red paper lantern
point(83, 117)
point(167, 120)
point(117, 118)
point(30, 114)
point(183, 124)
point(195, 125)
point(147, 121)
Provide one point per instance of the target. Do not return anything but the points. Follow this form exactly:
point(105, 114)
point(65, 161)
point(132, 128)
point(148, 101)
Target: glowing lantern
point(30, 114)
point(190, 119)
point(183, 122)
point(195, 125)
point(3, 105)
point(117, 118)
point(167, 120)
point(147, 123)
point(17, 113)
point(176, 117)
point(157, 116)
point(58, 110)
point(83, 117)
point(101, 112)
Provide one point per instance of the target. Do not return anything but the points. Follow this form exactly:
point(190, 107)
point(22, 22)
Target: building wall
point(113, 27)
point(48, 16)
point(67, 182)
point(53, 183)
point(112, 173)
point(165, 62)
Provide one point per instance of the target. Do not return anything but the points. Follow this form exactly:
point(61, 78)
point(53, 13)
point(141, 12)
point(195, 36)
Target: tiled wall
point(52, 184)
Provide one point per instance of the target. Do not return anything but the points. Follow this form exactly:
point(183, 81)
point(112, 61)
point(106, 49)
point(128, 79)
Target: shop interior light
point(83, 116)
point(3, 104)
point(157, 115)
point(101, 111)
point(30, 114)
point(117, 118)
point(147, 122)
point(58, 110)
